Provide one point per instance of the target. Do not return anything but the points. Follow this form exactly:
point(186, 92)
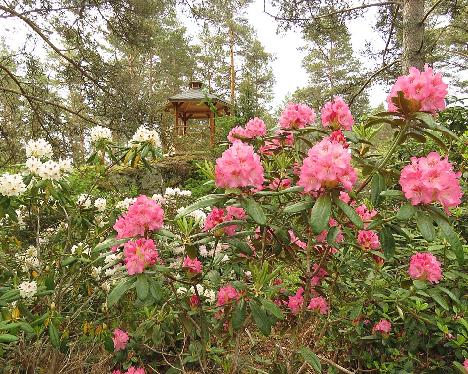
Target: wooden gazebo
point(193, 104)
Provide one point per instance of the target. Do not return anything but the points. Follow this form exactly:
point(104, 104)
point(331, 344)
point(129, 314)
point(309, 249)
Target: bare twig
point(430, 11)
point(390, 33)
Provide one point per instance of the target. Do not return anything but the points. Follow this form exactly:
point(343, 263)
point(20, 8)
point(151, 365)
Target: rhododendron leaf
point(388, 242)
point(436, 139)
point(331, 235)
point(261, 319)
point(254, 210)
point(272, 308)
point(428, 121)
point(203, 202)
point(142, 286)
point(298, 207)
point(435, 294)
point(241, 246)
point(425, 226)
point(459, 367)
point(54, 335)
point(404, 105)
point(238, 315)
point(349, 212)
point(377, 186)
point(452, 238)
point(8, 338)
point(123, 286)
point(108, 243)
point(450, 294)
point(406, 212)
point(392, 193)
point(420, 138)
point(311, 358)
point(320, 214)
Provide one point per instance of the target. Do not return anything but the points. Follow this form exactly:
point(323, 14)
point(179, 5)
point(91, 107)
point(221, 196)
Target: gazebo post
point(176, 118)
point(212, 128)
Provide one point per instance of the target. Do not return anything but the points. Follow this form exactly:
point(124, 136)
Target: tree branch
point(430, 11)
point(39, 32)
point(390, 33)
point(341, 11)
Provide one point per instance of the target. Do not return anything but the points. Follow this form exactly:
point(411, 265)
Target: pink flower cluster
point(239, 166)
point(296, 301)
point(255, 127)
point(322, 237)
point(120, 340)
point(425, 87)
point(337, 115)
point(144, 214)
point(296, 116)
point(338, 137)
point(282, 138)
point(320, 273)
point(139, 254)
point(131, 370)
point(295, 240)
point(318, 304)
point(194, 266)
point(227, 294)
point(429, 179)
point(327, 165)
point(219, 215)
point(365, 214)
point(280, 184)
point(383, 326)
point(424, 266)
point(368, 240)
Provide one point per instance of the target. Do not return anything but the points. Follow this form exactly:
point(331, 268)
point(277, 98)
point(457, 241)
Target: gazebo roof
point(195, 93)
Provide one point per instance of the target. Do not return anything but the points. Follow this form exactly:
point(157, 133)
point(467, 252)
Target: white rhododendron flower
point(50, 170)
point(33, 164)
point(98, 133)
point(12, 184)
point(143, 134)
point(159, 198)
point(39, 148)
point(66, 165)
point(84, 200)
point(100, 204)
point(125, 203)
point(27, 289)
point(210, 295)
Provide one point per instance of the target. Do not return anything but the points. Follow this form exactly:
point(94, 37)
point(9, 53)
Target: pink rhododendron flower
point(365, 214)
point(296, 301)
point(139, 254)
point(194, 266)
point(296, 116)
point(255, 127)
point(425, 87)
point(319, 274)
point(337, 115)
point(431, 179)
point(344, 197)
point(322, 237)
point(144, 214)
point(424, 266)
point(226, 294)
point(368, 240)
point(280, 184)
point(318, 304)
point(239, 166)
point(295, 240)
point(465, 365)
point(379, 261)
point(383, 326)
point(132, 370)
point(327, 165)
point(282, 139)
point(116, 372)
point(120, 340)
point(194, 301)
point(338, 137)
point(218, 215)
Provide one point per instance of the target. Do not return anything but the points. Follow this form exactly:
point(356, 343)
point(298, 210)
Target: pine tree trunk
point(413, 35)
point(232, 70)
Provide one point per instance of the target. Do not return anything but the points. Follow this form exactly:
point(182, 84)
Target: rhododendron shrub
point(312, 241)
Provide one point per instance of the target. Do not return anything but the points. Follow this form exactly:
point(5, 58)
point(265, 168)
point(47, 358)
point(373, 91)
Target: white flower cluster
point(29, 260)
point(80, 247)
point(144, 134)
point(210, 295)
point(98, 133)
point(12, 184)
point(86, 201)
point(39, 148)
point(125, 203)
point(177, 192)
point(100, 204)
point(27, 289)
point(198, 215)
point(204, 252)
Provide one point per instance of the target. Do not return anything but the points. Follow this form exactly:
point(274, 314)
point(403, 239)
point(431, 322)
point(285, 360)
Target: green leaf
point(435, 294)
point(238, 315)
point(297, 207)
point(54, 335)
point(320, 214)
point(377, 186)
point(405, 212)
point(272, 308)
point(254, 210)
point(332, 234)
point(429, 122)
point(208, 200)
point(388, 242)
point(119, 290)
point(392, 193)
point(459, 367)
point(8, 338)
point(311, 358)
point(142, 286)
point(452, 237)
point(111, 242)
point(349, 212)
point(425, 226)
point(260, 318)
